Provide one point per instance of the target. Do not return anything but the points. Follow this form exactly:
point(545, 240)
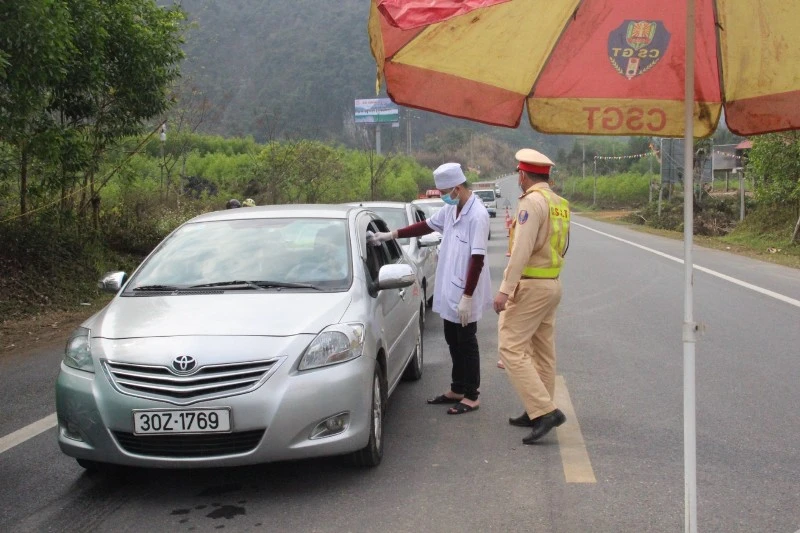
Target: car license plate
point(177, 421)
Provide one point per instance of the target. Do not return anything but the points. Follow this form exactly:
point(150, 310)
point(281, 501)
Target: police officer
point(463, 286)
point(530, 293)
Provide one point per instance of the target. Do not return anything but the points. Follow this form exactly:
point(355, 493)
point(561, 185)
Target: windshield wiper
point(285, 284)
point(159, 288)
point(258, 284)
point(236, 284)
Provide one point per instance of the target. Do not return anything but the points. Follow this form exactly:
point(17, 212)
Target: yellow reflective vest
point(559, 237)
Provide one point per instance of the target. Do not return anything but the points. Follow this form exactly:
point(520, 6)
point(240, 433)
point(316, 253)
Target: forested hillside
point(292, 68)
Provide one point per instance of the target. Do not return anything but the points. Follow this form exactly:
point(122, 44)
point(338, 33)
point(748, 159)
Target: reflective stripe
point(559, 220)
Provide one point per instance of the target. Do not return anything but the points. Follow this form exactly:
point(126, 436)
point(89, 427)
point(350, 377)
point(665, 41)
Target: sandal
point(461, 408)
point(443, 399)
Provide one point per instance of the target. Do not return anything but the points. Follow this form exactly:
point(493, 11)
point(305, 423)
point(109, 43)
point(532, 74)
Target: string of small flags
point(727, 154)
point(633, 156)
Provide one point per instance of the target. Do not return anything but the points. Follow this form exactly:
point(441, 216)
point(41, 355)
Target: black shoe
point(522, 421)
point(542, 425)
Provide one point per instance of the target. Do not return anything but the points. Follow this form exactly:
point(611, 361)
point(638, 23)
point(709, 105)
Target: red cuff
point(473, 273)
point(414, 230)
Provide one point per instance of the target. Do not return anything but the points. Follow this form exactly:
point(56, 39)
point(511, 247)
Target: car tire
point(413, 371)
point(372, 453)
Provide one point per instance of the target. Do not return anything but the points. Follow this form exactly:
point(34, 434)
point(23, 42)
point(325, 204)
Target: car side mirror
point(112, 281)
point(429, 240)
point(395, 277)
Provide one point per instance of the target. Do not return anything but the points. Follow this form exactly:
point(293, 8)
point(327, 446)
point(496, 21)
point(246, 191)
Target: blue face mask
point(449, 199)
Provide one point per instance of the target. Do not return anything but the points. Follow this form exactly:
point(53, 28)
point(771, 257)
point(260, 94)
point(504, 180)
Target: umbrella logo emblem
point(636, 46)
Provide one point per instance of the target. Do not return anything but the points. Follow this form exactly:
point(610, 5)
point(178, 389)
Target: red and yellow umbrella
point(604, 67)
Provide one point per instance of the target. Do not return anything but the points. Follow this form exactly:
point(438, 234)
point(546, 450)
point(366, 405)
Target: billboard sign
point(376, 111)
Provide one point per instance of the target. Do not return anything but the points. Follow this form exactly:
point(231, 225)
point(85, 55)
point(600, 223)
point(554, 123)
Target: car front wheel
point(372, 453)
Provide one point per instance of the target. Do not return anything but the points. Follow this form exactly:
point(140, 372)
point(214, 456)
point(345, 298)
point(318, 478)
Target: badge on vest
point(523, 216)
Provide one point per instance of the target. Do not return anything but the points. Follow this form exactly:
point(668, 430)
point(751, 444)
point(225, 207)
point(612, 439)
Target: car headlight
point(78, 353)
point(336, 344)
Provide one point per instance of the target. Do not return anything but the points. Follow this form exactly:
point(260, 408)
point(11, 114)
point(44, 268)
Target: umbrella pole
point(689, 326)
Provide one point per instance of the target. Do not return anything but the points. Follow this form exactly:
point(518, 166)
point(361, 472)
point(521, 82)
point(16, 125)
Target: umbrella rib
point(721, 79)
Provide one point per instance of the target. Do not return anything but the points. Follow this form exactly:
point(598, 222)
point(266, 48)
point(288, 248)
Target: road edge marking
point(28, 432)
point(735, 281)
point(574, 456)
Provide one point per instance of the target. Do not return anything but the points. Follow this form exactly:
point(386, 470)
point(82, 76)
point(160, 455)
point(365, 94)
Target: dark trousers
point(463, 346)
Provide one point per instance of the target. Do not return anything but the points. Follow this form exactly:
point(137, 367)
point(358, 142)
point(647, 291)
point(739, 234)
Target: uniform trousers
point(526, 339)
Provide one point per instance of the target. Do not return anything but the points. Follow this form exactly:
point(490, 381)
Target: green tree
point(35, 43)
point(775, 161)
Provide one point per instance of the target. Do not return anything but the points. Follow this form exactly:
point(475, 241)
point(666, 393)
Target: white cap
point(448, 175)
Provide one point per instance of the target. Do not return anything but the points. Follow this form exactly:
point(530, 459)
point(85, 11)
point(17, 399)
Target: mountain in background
point(292, 68)
point(278, 69)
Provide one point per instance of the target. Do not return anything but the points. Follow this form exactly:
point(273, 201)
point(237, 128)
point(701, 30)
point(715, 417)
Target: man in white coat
point(463, 286)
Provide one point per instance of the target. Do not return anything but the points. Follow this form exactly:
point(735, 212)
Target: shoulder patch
point(523, 216)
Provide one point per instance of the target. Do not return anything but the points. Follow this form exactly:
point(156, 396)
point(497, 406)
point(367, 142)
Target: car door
point(429, 257)
point(391, 303)
point(406, 314)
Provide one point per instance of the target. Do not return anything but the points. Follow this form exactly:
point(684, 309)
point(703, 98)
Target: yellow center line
point(575, 458)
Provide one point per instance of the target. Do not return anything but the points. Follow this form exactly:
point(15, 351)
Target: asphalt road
point(620, 356)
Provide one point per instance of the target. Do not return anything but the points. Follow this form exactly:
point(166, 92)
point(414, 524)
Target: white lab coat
point(461, 238)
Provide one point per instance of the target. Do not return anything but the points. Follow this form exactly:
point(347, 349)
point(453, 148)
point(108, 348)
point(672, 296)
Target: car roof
point(279, 211)
point(427, 201)
point(378, 203)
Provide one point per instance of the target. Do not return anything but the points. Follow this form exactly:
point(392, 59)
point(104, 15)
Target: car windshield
point(430, 208)
point(395, 218)
point(290, 253)
point(486, 196)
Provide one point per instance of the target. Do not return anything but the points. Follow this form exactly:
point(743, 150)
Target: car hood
point(228, 314)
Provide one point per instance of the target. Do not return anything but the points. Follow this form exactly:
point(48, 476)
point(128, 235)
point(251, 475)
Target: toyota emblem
point(184, 363)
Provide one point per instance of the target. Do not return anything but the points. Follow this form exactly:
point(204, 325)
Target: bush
point(47, 265)
point(713, 216)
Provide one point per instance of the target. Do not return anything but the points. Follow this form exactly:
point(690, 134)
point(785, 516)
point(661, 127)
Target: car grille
point(190, 445)
point(208, 382)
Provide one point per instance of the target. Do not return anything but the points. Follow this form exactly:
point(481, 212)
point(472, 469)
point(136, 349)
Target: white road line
point(766, 292)
point(28, 432)
point(574, 457)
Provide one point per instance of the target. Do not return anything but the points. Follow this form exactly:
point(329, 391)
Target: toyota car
point(247, 336)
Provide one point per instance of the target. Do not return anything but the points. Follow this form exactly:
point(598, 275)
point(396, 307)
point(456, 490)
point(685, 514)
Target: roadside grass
point(763, 237)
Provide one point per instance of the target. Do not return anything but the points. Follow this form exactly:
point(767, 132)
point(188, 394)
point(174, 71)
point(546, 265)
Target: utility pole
point(583, 162)
point(163, 141)
point(378, 138)
point(408, 132)
point(741, 194)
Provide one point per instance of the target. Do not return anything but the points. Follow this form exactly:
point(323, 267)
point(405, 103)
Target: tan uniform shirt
point(531, 233)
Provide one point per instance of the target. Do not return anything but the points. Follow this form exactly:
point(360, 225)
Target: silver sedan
point(247, 336)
